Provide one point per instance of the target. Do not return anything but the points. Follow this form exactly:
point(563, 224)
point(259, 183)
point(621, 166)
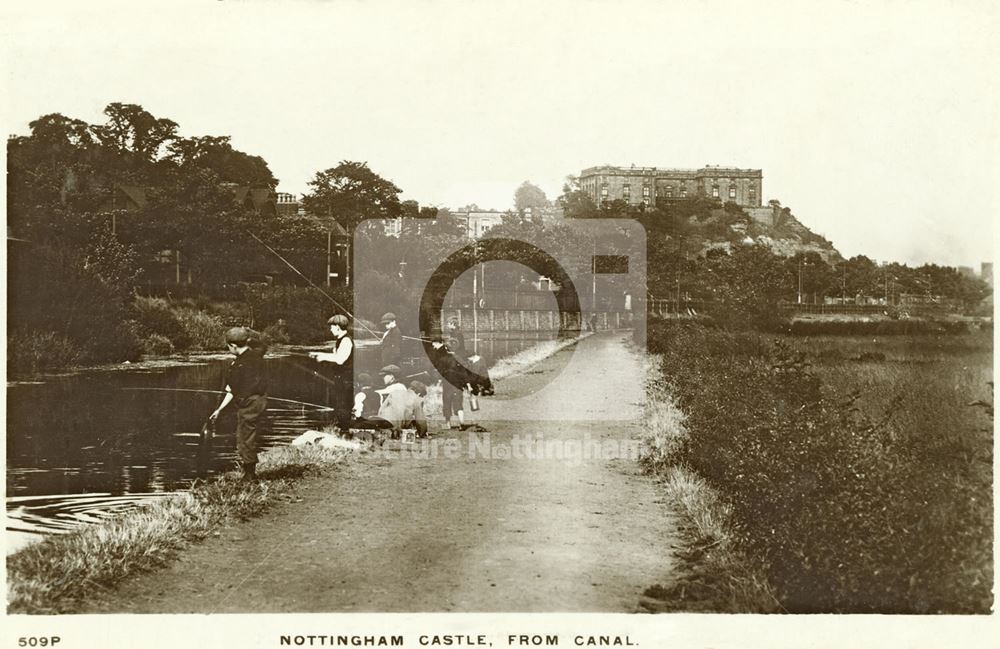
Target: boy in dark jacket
point(246, 384)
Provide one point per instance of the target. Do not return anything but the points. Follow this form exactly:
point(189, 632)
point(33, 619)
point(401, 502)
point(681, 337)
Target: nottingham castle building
point(647, 185)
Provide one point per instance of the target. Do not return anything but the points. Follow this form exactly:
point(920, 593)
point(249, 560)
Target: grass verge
point(522, 360)
point(52, 575)
point(717, 576)
point(858, 470)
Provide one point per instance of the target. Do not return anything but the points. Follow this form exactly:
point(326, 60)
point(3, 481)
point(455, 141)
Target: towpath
point(485, 528)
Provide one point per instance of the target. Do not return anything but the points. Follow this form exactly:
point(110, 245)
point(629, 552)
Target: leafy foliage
point(850, 512)
point(351, 193)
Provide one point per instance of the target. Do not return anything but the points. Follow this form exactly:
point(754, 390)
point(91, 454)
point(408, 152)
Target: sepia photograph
point(501, 324)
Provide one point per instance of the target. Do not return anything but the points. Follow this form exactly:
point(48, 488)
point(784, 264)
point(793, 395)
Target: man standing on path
point(247, 386)
point(392, 341)
point(341, 370)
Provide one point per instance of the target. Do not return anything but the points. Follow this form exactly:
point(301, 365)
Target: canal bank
point(556, 529)
point(91, 444)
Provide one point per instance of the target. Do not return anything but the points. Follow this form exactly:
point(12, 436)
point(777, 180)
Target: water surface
point(88, 445)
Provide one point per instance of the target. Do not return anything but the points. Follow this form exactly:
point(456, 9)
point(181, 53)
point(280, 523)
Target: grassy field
point(858, 469)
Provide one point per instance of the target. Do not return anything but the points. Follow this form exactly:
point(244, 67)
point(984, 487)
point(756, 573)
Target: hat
point(238, 336)
point(452, 342)
point(391, 369)
point(364, 378)
point(419, 388)
point(339, 320)
point(388, 317)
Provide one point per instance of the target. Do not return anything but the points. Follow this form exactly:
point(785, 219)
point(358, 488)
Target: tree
point(218, 155)
point(446, 225)
point(529, 197)
point(576, 203)
point(132, 130)
point(748, 284)
point(351, 193)
point(815, 277)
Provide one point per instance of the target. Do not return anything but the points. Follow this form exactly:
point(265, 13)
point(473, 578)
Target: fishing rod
point(327, 295)
point(217, 392)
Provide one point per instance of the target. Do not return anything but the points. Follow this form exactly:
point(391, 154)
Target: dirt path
point(463, 533)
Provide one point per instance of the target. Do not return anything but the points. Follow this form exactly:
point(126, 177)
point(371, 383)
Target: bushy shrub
point(119, 342)
point(303, 310)
point(39, 351)
point(203, 331)
point(849, 514)
point(276, 334)
point(78, 292)
point(157, 345)
point(155, 316)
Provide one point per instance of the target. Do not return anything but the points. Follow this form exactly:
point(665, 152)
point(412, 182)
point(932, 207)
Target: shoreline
point(149, 362)
point(51, 575)
point(516, 364)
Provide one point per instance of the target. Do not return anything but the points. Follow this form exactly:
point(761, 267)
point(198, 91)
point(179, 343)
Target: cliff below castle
point(700, 226)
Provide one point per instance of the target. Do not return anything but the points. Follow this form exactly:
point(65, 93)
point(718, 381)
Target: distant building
point(288, 205)
point(259, 199)
point(986, 272)
point(479, 223)
point(648, 185)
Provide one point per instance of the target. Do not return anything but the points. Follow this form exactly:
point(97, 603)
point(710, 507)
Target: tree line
point(700, 248)
point(105, 205)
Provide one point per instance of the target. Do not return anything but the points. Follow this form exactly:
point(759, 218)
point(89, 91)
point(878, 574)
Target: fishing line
point(217, 392)
point(317, 287)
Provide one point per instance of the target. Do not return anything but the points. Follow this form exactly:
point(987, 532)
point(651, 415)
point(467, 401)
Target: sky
point(876, 123)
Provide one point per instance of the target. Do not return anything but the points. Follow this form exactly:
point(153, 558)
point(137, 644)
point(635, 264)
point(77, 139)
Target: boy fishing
point(340, 369)
point(246, 384)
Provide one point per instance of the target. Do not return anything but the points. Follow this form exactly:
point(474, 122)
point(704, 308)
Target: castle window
point(626, 191)
point(684, 191)
point(670, 191)
point(645, 192)
point(732, 191)
point(715, 191)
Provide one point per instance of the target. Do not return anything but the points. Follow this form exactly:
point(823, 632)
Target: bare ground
point(397, 532)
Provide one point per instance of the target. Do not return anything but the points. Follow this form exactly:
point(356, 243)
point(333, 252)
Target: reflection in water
point(103, 446)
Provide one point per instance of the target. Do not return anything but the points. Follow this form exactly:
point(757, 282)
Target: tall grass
point(205, 332)
point(167, 327)
point(524, 359)
point(857, 472)
point(716, 577)
point(53, 575)
point(39, 351)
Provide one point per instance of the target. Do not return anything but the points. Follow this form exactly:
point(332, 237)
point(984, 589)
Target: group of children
point(356, 402)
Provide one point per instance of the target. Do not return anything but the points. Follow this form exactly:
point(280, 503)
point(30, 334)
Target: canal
point(91, 444)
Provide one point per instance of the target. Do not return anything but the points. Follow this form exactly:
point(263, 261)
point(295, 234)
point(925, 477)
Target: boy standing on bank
point(246, 384)
point(340, 366)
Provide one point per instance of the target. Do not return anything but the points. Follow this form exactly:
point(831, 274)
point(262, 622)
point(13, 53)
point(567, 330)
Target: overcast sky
point(876, 122)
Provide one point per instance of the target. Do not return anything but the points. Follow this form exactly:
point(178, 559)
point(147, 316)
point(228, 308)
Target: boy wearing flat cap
point(246, 384)
point(338, 366)
point(392, 341)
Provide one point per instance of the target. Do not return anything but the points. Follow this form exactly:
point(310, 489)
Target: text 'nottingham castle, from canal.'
point(647, 185)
